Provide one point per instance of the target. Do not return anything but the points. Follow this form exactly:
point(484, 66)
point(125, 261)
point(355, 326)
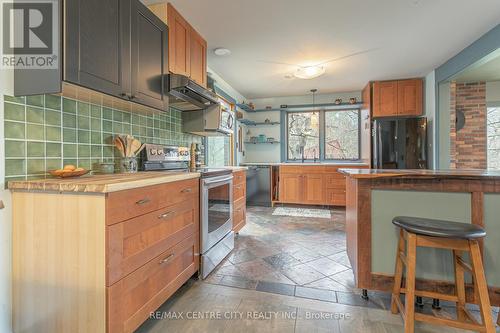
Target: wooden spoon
point(140, 149)
point(135, 146)
point(119, 145)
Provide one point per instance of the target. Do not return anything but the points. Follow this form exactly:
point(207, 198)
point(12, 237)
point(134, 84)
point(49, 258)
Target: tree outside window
point(342, 135)
point(303, 135)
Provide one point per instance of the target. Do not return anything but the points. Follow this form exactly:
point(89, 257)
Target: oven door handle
point(216, 180)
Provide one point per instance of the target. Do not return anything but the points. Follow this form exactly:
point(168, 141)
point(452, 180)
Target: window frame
point(322, 135)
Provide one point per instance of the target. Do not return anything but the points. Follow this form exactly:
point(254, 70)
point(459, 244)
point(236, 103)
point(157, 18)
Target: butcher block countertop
point(433, 174)
point(101, 183)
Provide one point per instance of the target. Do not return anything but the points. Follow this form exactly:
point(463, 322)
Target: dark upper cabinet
point(118, 47)
point(149, 65)
point(97, 45)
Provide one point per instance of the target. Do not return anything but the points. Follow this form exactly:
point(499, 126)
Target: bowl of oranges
point(69, 171)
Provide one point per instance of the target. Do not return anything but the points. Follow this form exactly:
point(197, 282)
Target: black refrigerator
point(399, 143)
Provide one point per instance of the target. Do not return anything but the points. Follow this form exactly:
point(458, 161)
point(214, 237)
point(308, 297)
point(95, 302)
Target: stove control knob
point(152, 151)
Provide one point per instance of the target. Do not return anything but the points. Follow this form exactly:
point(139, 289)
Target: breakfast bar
point(375, 197)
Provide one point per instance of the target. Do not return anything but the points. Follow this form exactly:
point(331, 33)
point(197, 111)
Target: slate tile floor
point(305, 257)
point(294, 269)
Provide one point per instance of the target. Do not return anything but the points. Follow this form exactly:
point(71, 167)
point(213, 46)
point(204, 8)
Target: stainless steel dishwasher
point(259, 185)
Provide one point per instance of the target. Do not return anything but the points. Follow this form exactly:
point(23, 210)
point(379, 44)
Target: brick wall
point(468, 145)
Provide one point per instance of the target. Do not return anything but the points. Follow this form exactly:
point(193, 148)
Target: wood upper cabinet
point(410, 97)
point(96, 45)
point(397, 98)
point(198, 60)
point(187, 49)
point(149, 60)
point(179, 45)
point(385, 99)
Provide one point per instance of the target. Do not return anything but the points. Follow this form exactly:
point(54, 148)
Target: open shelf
point(256, 123)
point(262, 143)
point(306, 107)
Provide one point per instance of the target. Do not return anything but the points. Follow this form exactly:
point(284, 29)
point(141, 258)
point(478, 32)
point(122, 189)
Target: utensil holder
point(129, 165)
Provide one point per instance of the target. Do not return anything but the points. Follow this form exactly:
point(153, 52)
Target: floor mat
point(302, 212)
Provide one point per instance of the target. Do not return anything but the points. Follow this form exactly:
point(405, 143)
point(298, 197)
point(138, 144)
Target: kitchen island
point(374, 197)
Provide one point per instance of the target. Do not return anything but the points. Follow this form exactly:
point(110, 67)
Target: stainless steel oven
point(217, 238)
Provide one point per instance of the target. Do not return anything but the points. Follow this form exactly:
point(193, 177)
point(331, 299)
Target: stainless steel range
point(216, 201)
point(216, 205)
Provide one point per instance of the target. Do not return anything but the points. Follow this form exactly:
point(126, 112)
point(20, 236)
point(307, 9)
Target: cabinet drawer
point(239, 214)
point(335, 197)
point(335, 181)
point(134, 242)
point(239, 177)
point(239, 191)
point(131, 299)
point(123, 205)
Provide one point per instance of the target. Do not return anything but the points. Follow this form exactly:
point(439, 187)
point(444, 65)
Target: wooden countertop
point(101, 183)
point(436, 174)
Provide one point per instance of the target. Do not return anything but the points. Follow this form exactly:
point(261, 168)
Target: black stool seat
point(439, 228)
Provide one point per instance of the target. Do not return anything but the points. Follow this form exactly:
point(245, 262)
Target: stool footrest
point(448, 322)
point(431, 294)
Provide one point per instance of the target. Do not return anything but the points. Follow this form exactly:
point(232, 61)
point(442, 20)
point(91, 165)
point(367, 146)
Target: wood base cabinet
point(239, 200)
point(89, 262)
point(313, 185)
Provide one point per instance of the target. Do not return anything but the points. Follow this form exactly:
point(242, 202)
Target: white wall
point(272, 153)
point(493, 92)
point(5, 219)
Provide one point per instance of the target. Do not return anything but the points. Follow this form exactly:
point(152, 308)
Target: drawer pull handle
point(165, 215)
point(166, 259)
point(143, 201)
point(187, 190)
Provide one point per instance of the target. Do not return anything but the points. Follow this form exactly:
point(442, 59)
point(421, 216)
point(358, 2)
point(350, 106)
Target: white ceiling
point(412, 37)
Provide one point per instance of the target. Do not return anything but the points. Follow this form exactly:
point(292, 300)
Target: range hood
point(186, 95)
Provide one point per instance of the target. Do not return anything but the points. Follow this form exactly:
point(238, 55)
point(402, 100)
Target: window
point(493, 129)
point(323, 135)
point(303, 135)
point(342, 135)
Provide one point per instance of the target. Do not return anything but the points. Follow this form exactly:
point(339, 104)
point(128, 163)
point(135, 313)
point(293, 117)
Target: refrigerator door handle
point(378, 140)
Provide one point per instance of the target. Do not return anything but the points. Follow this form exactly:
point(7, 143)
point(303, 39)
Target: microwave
point(215, 120)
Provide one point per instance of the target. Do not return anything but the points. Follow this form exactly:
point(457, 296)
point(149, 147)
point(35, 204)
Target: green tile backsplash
point(45, 132)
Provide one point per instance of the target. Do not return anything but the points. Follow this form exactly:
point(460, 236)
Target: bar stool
point(458, 237)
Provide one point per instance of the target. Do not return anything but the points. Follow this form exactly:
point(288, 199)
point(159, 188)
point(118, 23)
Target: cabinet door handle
point(1, 205)
point(166, 259)
point(143, 201)
point(187, 190)
point(165, 215)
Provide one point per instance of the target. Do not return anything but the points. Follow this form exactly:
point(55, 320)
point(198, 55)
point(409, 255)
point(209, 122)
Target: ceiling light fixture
point(221, 52)
point(309, 72)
